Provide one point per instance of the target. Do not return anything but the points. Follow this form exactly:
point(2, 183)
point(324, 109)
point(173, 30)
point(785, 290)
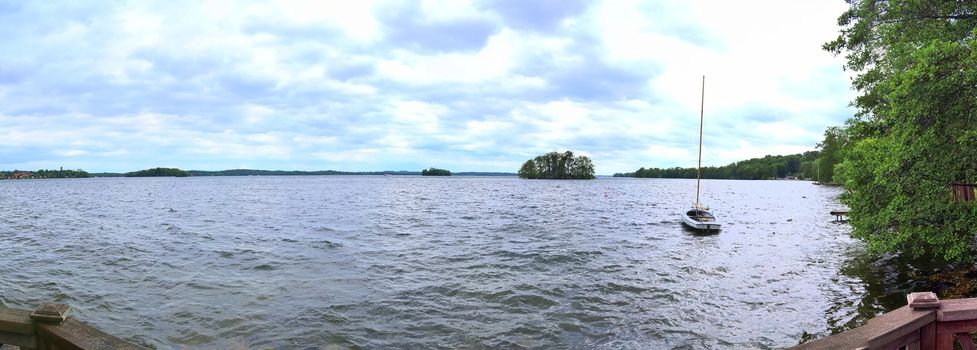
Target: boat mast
point(698, 167)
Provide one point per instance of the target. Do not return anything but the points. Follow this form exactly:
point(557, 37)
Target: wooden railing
point(962, 192)
point(925, 324)
point(50, 328)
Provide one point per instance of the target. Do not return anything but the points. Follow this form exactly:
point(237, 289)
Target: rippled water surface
point(422, 262)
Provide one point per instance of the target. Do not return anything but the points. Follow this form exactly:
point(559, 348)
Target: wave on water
point(411, 262)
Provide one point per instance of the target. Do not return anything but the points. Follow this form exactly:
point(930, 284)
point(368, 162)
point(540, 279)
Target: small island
point(435, 172)
point(43, 174)
point(555, 165)
point(157, 172)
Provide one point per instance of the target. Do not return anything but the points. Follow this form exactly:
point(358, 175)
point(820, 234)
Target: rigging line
point(698, 171)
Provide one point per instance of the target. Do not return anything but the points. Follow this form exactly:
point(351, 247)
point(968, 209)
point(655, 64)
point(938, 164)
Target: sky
point(406, 85)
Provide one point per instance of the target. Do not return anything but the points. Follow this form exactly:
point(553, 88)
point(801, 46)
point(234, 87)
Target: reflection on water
point(418, 262)
point(885, 281)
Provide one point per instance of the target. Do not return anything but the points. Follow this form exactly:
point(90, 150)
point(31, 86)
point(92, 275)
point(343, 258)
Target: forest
point(913, 136)
point(803, 166)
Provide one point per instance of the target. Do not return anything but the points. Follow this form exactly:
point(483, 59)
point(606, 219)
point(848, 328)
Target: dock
point(926, 323)
point(50, 328)
point(839, 214)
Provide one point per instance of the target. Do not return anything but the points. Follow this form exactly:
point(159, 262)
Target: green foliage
point(154, 172)
point(528, 170)
point(555, 165)
point(44, 174)
point(799, 165)
point(835, 139)
point(914, 133)
point(435, 172)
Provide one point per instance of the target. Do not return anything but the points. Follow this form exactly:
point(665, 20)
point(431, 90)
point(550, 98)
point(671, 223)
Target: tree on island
point(156, 172)
point(555, 165)
point(435, 172)
point(913, 134)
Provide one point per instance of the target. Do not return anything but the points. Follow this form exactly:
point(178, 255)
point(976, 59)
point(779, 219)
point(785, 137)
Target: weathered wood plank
point(16, 328)
point(73, 334)
point(965, 342)
point(927, 337)
point(911, 340)
point(19, 340)
point(944, 341)
point(877, 332)
point(957, 309)
point(957, 327)
point(962, 192)
point(945, 332)
point(16, 321)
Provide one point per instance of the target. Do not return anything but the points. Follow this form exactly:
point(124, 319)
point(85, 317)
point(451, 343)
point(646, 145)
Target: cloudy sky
point(406, 85)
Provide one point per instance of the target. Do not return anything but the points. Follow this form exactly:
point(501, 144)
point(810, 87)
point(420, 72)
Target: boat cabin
point(700, 215)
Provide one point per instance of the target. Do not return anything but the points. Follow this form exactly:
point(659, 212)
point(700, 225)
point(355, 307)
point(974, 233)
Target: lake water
point(431, 262)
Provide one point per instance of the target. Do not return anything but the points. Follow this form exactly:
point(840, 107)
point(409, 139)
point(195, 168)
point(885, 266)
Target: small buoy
point(605, 194)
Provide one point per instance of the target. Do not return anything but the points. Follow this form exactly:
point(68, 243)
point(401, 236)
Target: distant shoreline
point(253, 172)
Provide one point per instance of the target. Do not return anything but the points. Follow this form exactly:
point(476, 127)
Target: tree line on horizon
point(803, 165)
point(256, 172)
point(157, 172)
point(44, 174)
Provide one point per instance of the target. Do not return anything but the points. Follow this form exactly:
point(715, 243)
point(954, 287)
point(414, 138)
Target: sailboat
point(699, 217)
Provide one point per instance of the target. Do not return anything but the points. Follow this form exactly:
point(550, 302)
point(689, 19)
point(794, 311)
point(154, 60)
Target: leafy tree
point(528, 170)
point(835, 139)
point(581, 168)
point(435, 172)
point(914, 133)
point(555, 165)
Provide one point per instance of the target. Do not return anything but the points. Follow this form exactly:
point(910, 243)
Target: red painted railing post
point(928, 339)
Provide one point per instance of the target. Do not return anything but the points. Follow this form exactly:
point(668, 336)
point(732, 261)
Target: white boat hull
point(699, 219)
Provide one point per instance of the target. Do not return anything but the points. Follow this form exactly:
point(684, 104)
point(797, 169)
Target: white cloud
point(492, 62)
point(318, 84)
point(71, 152)
point(417, 115)
point(255, 113)
point(314, 140)
point(353, 18)
point(358, 155)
